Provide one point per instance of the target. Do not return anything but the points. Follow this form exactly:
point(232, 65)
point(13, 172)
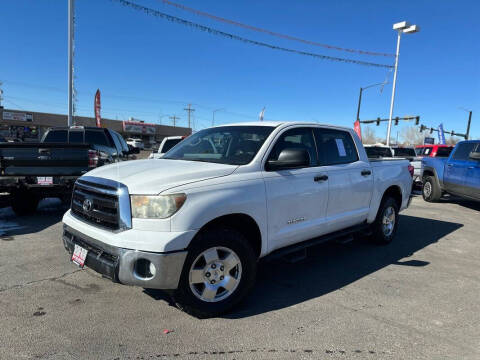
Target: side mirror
point(475, 155)
point(290, 159)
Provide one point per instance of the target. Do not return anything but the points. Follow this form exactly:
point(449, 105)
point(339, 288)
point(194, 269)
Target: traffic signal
point(396, 121)
point(422, 127)
point(452, 133)
point(431, 130)
point(378, 121)
point(417, 120)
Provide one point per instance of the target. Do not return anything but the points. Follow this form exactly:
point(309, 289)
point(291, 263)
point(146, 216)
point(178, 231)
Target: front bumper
point(121, 265)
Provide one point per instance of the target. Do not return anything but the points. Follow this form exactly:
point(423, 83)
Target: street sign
point(429, 141)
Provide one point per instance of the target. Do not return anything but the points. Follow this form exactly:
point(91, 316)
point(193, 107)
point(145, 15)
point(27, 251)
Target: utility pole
point(1, 93)
point(174, 118)
point(468, 125)
point(71, 9)
point(189, 109)
point(213, 115)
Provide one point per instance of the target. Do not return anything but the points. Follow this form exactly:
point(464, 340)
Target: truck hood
point(152, 176)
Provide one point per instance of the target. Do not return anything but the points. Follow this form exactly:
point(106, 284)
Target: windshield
point(404, 152)
point(233, 145)
point(378, 151)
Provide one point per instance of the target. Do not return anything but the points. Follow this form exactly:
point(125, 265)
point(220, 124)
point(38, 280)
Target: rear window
point(404, 152)
point(444, 151)
point(75, 137)
point(169, 144)
point(378, 151)
point(95, 137)
point(56, 136)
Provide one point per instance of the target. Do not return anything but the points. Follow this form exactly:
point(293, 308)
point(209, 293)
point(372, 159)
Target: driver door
point(296, 198)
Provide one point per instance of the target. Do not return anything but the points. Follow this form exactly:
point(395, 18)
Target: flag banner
point(96, 107)
point(441, 135)
point(262, 113)
point(357, 128)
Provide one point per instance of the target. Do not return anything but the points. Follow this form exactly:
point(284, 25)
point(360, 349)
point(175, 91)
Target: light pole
point(213, 115)
point(401, 27)
point(71, 9)
point(468, 123)
point(360, 95)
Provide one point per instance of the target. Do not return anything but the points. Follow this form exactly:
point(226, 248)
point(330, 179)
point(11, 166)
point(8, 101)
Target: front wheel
point(386, 223)
point(218, 273)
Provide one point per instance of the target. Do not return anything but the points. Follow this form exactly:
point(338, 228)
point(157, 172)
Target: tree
point(411, 136)
point(369, 136)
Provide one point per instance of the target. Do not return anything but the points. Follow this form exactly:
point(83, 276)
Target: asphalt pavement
point(417, 298)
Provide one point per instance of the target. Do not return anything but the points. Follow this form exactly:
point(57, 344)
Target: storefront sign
point(17, 116)
point(135, 127)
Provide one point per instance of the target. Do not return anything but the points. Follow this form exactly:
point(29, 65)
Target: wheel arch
point(243, 223)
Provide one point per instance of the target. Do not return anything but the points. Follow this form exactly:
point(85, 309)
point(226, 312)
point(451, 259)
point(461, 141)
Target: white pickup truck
point(196, 222)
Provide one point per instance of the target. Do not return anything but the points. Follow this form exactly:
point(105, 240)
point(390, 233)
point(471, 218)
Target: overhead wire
point(269, 32)
point(175, 19)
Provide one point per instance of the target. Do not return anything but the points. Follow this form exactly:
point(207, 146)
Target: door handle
point(366, 172)
point(449, 165)
point(471, 167)
point(320, 178)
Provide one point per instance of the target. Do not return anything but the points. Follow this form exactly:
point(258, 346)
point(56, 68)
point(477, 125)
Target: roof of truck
point(278, 123)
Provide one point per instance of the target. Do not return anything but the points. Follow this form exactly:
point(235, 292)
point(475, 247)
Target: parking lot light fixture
point(400, 27)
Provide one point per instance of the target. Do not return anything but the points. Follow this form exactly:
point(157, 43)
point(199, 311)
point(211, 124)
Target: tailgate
point(43, 159)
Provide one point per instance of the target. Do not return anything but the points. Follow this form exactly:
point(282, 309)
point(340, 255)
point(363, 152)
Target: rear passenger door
point(472, 180)
point(456, 168)
point(350, 179)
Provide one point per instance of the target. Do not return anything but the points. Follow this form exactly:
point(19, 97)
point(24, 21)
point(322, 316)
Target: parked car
point(459, 174)
point(166, 144)
point(404, 152)
point(136, 143)
point(376, 151)
point(33, 171)
point(427, 151)
point(196, 221)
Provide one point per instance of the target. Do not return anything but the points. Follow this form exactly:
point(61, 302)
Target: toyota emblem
point(87, 205)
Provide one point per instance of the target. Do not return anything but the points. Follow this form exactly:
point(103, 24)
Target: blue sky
point(146, 67)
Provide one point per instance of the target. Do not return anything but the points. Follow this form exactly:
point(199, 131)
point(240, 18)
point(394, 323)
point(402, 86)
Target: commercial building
point(31, 125)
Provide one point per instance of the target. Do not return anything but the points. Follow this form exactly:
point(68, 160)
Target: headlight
point(156, 206)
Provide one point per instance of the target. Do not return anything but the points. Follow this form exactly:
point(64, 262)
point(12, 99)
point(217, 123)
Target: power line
point(283, 36)
point(189, 110)
point(210, 30)
point(174, 118)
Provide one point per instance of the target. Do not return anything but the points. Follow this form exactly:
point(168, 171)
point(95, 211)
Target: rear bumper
point(122, 265)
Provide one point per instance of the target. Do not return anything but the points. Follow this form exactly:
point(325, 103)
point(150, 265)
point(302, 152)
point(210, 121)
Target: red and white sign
point(97, 107)
point(358, 130)
point(79, 255)
point(44, 180)
point(136, 127)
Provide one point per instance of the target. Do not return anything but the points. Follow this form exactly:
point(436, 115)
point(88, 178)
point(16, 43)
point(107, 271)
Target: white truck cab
point(197, 221)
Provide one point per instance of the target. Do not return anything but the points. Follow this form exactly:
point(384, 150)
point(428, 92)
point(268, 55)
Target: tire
point(24, 203)
point(430, 190)
point(385, 225)
point(203, 299)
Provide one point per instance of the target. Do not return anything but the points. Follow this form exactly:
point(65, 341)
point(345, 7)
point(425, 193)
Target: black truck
point(30, 172)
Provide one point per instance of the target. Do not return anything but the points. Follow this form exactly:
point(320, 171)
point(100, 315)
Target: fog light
point(144, 269)
point(152, 270)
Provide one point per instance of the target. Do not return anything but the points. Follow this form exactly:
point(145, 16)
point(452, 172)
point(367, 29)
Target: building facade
point(31, 125)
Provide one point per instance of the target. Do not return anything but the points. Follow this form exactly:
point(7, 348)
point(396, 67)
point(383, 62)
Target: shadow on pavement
point(50, 211)
point(332, 266)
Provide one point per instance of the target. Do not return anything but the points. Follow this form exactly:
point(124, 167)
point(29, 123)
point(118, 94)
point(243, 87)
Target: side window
point(96, 137)
point(463, 151)
point(335, 147)
point(297, 138)
point(56, 136)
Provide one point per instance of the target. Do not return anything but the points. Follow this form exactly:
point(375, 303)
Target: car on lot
point(196, 221)
point(459, 174)
point(377, 151)
point(428, 150)
point(32, 171)
point(166, 144)
point(136, 143)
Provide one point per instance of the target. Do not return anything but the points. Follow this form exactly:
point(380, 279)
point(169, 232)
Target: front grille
point(101, 202)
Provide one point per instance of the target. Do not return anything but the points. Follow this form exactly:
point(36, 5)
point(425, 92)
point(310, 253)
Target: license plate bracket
point(44, 180)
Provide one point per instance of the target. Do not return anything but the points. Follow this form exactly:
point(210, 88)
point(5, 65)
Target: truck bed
point(43, 159)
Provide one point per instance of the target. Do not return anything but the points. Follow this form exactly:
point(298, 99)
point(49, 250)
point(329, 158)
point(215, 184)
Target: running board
point(343, 236)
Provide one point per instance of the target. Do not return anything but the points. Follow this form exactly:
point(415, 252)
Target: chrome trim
point(116, 188)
